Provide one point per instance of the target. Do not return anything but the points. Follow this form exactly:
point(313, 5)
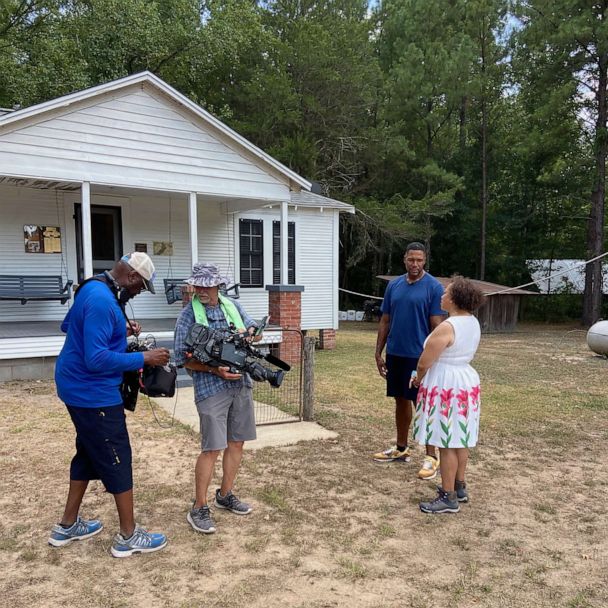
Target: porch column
point(193, 222)
point(188, 290)
point(284, 244)
point(87, 248)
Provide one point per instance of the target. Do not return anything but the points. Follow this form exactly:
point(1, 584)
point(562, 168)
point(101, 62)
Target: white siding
point(24, 348)
point(315, 259)
point(316, 256)
point(18, 207)
point(148, 221)
point(135, 138)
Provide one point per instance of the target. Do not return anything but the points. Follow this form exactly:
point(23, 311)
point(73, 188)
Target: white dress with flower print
point(448, 404)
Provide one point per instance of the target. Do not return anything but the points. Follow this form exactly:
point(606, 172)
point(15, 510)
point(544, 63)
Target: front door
point(106, 237)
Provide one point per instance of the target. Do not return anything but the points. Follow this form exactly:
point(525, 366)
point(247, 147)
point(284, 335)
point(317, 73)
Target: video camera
point(229, 348)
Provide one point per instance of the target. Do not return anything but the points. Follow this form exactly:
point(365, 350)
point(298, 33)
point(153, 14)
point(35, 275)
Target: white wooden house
point(135, 164)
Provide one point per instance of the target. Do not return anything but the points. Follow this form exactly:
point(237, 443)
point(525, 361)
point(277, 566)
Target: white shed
point(134, 164)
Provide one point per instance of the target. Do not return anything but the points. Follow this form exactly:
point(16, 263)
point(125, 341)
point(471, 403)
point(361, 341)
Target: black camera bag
point(158, 381)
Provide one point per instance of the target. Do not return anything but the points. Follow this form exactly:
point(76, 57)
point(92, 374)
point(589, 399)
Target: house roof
point(486, 287)
point(150, 79)
point(310, 199)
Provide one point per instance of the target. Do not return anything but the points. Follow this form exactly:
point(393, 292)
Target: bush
point(552, 308)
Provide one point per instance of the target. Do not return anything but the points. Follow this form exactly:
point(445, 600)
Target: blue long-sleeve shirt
point(89, 369)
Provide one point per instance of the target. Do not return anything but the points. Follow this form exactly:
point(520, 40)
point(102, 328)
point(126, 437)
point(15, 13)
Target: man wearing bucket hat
point(88, 374)
point(224, 400)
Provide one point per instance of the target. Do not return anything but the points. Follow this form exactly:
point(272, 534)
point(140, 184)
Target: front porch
point(28, 349)
point(97, 224)
point(45, 329)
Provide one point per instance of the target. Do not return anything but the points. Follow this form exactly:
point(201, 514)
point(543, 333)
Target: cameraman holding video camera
point(88, 375)
point(224, 400)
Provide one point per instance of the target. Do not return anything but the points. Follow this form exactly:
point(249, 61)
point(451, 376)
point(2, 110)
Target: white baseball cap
point(143, 266)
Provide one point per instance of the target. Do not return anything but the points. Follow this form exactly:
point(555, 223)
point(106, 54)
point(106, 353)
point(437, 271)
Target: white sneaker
point(393, 454)
point(430, 466)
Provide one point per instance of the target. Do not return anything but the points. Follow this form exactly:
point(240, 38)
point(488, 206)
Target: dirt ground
point(330, 527)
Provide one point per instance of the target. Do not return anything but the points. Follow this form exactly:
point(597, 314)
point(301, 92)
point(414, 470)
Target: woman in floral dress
point(447, 409)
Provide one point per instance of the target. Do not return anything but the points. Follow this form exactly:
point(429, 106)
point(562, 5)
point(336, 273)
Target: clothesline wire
point(551, 276)
point(495, 293)
point(364, 295)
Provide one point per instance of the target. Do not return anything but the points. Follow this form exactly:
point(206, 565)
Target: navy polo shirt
point(409, 307)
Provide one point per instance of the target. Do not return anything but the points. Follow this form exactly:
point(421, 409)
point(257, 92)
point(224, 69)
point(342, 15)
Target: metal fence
point(282, 404)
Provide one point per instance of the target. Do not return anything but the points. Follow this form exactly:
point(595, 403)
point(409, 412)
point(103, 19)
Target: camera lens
point(275, 378)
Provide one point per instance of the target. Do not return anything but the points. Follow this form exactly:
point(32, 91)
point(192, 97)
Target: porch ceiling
point(233, 204)
point(39, 184)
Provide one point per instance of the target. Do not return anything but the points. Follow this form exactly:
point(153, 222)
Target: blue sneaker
point(79, 530)
point(141, 541)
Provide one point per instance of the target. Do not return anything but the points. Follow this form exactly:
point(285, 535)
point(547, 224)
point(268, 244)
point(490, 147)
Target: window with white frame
point(251, 252)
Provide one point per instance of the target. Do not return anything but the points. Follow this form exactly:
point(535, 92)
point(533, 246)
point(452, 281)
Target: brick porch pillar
point(285, 310)
point(327, 339)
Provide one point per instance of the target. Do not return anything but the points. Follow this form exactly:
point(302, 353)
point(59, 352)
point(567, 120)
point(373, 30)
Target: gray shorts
point(226, 416)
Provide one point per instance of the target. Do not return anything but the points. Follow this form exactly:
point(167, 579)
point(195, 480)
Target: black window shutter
point(276, 252)
point(251, 258)
point(291, 252)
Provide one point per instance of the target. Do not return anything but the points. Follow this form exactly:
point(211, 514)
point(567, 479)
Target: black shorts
point(103, 450)
point(399, 372)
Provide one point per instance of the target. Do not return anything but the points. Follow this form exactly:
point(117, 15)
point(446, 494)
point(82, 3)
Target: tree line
point(476, 126)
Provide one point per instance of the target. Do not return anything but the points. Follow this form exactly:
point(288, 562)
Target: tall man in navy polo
point(410, 311)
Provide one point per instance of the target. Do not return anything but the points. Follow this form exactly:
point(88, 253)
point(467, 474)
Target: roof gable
point(155, 89)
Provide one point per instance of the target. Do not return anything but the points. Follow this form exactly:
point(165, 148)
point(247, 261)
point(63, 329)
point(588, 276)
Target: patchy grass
point(331, 528)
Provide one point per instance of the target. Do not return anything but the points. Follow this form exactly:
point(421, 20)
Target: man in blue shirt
point(410, 311)
point(224, 400)
point(88, 375)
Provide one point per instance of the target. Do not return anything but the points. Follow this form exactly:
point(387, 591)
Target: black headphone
point(122, 293)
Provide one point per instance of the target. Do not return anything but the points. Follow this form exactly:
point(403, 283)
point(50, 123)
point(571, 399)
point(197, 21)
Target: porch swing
point(174, 287)
point(24, 288)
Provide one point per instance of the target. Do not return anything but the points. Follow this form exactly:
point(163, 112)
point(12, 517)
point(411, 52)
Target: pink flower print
point(463, 402)
point(421, 400)
point(475, 394)
point(431, 396)
point(422, 392)
point(445, 397)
